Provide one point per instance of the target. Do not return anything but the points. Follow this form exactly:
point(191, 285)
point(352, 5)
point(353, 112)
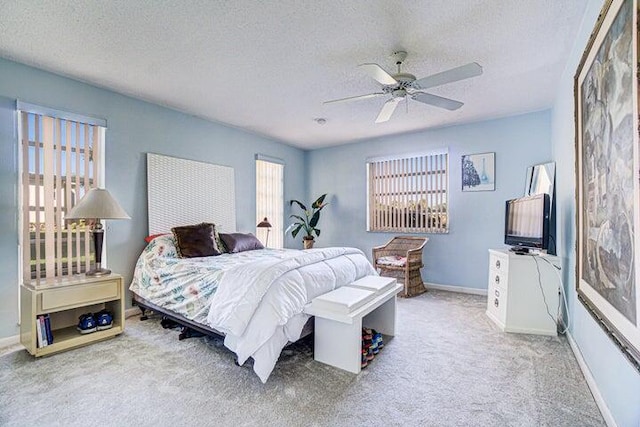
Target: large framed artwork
point(608, 194)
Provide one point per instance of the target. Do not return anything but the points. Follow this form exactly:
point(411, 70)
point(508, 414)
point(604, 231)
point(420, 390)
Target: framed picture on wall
point(479, 172)
point(607, 196)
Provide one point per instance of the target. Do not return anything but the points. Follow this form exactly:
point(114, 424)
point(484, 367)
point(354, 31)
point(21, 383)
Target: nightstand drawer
point(79, 295)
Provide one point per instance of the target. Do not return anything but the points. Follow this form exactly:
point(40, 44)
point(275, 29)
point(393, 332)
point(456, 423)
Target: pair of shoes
point(367, 346)
point(367, 334)
point(377, 342)
point(377, 339)
point(374, 347)
point(89, 322)
point(370, 355)
point(364, 362)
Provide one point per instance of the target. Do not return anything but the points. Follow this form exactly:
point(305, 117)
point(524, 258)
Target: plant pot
point(308, 243)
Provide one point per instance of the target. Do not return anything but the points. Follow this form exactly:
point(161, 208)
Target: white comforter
point(259, 306)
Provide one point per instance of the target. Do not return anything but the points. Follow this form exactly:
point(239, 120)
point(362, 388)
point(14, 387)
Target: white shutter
point(60, 160)
point(270, 201)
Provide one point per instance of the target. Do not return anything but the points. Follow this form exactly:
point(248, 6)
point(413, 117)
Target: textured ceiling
point(268, 66)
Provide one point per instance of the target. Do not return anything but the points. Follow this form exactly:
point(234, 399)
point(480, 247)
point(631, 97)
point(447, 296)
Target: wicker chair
point(403, 260)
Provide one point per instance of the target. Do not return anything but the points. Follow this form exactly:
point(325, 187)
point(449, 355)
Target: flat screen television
point(526, 223)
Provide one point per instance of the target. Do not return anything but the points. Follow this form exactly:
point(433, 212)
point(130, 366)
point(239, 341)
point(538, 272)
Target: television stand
point(523, 292)
point(519, 251)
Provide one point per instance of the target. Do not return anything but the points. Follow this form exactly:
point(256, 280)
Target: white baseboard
point(133, 311)
point(9, 341)
point(591, 382)
point(459, 289)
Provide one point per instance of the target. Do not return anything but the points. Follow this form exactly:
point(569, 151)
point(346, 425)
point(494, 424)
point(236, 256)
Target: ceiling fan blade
point(387, 110)
point(355, 98)
point(453, 75)
point(437, 101)
point(378, 73)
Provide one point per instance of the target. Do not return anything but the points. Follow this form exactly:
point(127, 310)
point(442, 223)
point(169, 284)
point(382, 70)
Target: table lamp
point(265, 224)
point(97, 204)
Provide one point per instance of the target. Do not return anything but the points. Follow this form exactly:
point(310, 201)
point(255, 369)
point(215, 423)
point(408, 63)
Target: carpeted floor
point(447, 366)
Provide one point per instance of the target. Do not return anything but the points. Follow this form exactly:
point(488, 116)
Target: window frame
point(99, 126)
point(275, 212)
point(410, 222)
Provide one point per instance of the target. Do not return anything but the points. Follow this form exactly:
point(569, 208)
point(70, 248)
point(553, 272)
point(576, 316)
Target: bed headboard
point(183, 192)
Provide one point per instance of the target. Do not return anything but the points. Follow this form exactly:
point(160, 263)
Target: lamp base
point(98, 235)
point(97, 272)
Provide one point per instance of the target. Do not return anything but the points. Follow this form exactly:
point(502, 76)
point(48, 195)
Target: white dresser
point(516, 298)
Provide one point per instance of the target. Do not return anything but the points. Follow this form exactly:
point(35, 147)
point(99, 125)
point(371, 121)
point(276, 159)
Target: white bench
point(338, 335)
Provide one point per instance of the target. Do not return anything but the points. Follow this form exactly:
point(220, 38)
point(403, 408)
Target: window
point(60, 160)
point(270, 200)
point(409, 194)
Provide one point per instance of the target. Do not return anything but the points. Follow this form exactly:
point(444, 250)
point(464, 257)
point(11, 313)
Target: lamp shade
point(97, 204)
point(264, 223)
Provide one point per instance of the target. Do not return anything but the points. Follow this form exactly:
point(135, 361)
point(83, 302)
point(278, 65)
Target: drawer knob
point(497, 293)
point(496, 302)
point(497, 279)
point(498, 263)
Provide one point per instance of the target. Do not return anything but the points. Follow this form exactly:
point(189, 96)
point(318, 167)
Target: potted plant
point(309, 221)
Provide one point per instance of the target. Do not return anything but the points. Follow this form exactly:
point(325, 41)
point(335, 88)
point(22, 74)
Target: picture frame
point(607, 177)
point(479, 172)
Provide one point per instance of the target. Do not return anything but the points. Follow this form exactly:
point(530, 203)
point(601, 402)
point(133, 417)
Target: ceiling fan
point(402, 86)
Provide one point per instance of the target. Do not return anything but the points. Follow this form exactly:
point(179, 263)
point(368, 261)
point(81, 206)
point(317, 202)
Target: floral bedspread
point(186, 285)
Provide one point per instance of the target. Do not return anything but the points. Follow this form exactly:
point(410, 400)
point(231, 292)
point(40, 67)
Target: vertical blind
point(270, 201)
point(409, 194)
point(60, 163)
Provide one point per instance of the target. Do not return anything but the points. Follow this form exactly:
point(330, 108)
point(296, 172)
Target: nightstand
point(65, 299)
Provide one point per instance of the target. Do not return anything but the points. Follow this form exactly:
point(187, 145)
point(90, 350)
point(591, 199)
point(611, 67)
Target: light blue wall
point(617, 381)
point(459, 258)
point(133, 129)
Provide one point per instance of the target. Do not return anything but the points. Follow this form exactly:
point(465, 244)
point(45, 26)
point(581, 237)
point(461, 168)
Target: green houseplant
point(308, 221)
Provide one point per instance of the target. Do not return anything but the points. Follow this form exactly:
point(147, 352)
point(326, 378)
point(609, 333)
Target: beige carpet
point(447, 366)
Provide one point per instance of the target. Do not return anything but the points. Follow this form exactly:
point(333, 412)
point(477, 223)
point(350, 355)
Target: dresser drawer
point(499, 264)
point(498, 279)
point(497, 303)
point(79, 295)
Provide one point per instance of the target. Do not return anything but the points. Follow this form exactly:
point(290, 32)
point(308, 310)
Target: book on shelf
point(41, 332)
point(44, 335)
point(47, 324)
point(343, 300)
point(39, 342)
point(377, 284)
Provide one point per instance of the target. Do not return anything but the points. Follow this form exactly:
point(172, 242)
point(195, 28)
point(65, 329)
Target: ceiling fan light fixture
point(320, 120)
point(399, 93)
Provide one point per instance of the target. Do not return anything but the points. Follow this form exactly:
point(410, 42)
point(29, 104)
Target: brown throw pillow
point(238, 242)
point(195, 240)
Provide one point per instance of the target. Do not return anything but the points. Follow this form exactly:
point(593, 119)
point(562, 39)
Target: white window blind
point(270, 201)
point(409, 194)
point(60, 162)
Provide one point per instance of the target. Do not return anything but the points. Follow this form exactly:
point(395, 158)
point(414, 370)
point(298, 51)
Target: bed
point(255, 298)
